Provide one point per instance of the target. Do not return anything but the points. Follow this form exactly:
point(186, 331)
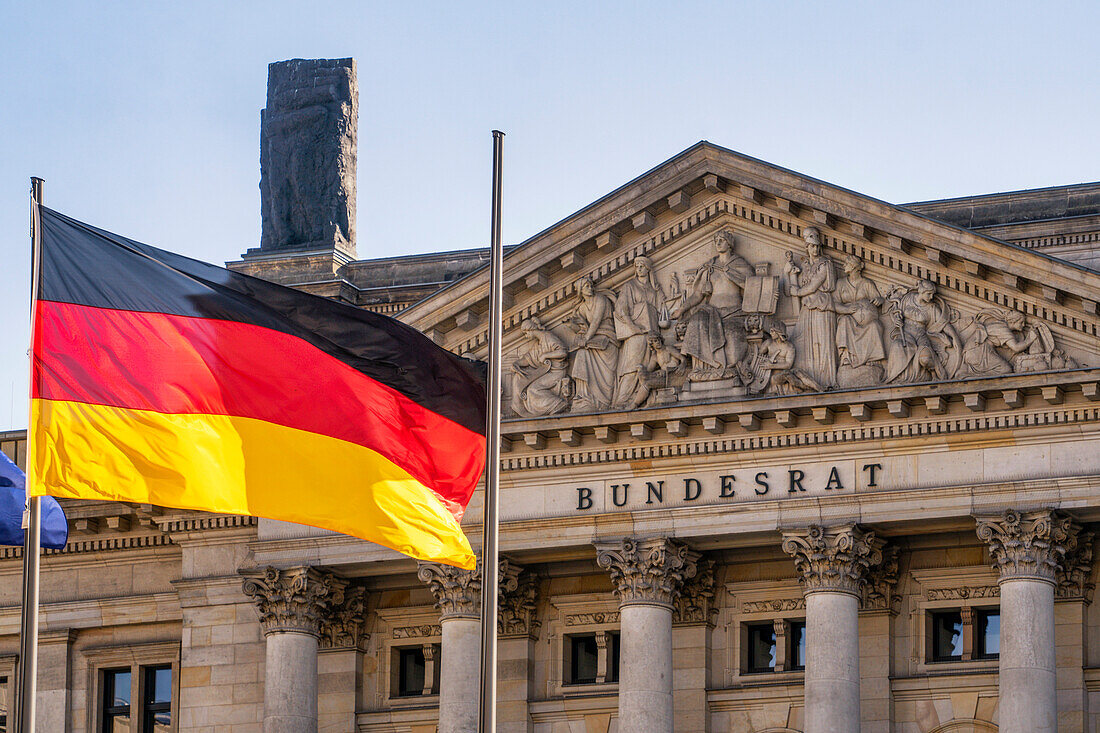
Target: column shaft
point(290, 683)
point(459, 680)
point(1027, 671)
point(832, 663)
point(645, 669)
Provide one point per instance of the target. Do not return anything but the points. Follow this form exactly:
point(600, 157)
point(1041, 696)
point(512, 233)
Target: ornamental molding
point(1074, 580)
point(775, 605)
point(963, 593)
point(592, 619)
point(647, 571)
point(696, 603)
point(297, 600)
point(1029, 545)
point(422, 631)
point(834, 559)
point(804, 432)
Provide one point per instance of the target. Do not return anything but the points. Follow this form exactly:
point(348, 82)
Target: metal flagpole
point(487, 704)
point(32, 538)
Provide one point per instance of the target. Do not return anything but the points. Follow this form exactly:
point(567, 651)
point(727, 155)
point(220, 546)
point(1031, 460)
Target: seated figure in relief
point(595, 348)
point(636, 314)
point(923, 344)
point(1029, 347)
point(712, 337)
point(774, 370)
point(540, 385)
point(858, 330)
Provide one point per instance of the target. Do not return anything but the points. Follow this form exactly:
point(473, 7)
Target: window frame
point(136, 658)
point(972, 648)
point(7, 671)
point(432, 654)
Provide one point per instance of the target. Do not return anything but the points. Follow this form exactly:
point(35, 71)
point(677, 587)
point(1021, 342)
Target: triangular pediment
point(730, 304)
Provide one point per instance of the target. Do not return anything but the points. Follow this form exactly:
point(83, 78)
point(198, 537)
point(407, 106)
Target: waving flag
point(160, 379)
point(13, 497)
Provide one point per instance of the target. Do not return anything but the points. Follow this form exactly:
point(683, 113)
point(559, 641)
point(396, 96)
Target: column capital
point(344, 624)
point(457, 591)
point(695, 604)
point(295, 599)
point(648, 571)
point(833, 559)
point(1074, 581)
point(1029, 545)
point(518, 594)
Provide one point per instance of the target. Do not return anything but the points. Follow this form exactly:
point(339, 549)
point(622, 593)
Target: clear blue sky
point(143, 117)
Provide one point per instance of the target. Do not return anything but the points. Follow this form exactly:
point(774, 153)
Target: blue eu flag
point(13, 495)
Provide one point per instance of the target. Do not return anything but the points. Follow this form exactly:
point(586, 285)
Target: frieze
point(592, 619)
point(728, 328)
point(416, 632)
point(963, 593)
point(774, 605)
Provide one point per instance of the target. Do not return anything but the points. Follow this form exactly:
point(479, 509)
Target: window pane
point(989, 633)
point(947, 639)
point(118, 724)
point(798, 645)
point(585, 657)
point(117, 688)
point(613, 657)
point(410, 672)
point(158, 685)
point(761, 648)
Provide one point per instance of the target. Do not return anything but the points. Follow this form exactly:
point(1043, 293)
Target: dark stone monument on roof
point(307, 156)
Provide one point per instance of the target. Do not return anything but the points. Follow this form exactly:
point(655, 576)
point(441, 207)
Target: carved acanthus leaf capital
point(344, 626)
point(1029, 545)
point(649, 571)
point(457, 591)
point(879, 590)
point(1074, 580)
point(834, 559)
point(695, 603)
point(518, 596)
point(294, 600)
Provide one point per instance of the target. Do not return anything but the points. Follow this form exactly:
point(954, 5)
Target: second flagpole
point(487, 702)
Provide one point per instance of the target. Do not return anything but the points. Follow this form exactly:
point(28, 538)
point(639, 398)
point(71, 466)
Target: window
point(116, 701)
point(583, 659)
point(156, 700)
point(761, 648)
point(798, 645)
point(5, 704)
point(415, 670)
point(987, 634)
point(947, 636)
point(592, 659)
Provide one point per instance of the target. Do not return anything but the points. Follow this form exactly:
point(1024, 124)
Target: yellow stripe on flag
point(238, 465)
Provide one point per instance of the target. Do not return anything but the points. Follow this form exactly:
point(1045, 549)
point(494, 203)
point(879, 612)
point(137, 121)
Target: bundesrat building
point(778, 457)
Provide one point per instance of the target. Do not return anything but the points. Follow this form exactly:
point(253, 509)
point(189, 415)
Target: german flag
point(163, 380)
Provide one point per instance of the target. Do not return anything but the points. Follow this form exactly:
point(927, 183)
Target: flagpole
point(487, 704)
point(32, 537)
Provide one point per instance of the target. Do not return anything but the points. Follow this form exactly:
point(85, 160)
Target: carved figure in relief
point(712, 337)
point(595, 348)
point(1002, 341)
point(812, 283)
point(859, 344)
point(924, 344)
point(540, 385)
point(773, 368)
point(637, 310)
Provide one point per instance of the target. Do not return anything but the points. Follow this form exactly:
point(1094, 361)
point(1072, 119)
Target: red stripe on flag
point(182, 364)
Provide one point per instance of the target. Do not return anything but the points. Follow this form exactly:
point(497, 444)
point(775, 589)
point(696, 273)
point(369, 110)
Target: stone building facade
point(778, 457)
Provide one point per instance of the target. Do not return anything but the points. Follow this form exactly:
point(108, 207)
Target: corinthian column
point(832, 565)
point(458, 597)
point(292, 605)
point(648, 575)
point(1029, 550)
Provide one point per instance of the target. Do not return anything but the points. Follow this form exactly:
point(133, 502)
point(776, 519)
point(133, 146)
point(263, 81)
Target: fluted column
point(648, 576)
point(832, 564)
point(1028, 550)
point(292, 605)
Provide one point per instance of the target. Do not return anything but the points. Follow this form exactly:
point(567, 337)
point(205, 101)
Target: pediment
point(694, 284)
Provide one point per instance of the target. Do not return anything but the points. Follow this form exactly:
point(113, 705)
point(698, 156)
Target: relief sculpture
point(734, 330)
